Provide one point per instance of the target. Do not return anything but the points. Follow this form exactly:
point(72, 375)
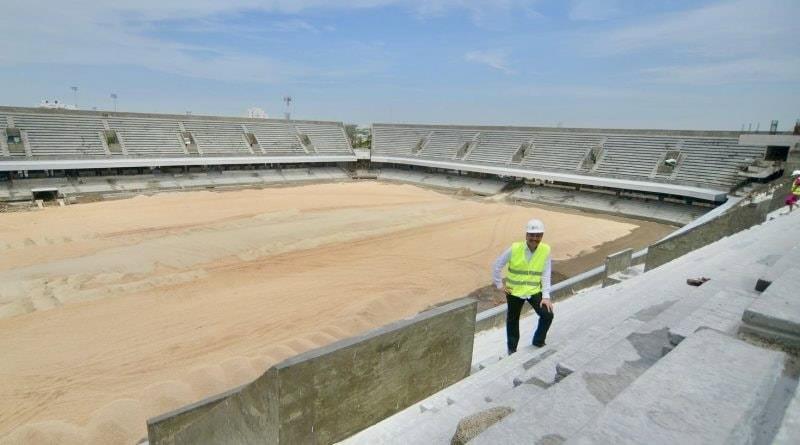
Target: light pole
point(114, 98)
point(75, 94)
point(287, 100)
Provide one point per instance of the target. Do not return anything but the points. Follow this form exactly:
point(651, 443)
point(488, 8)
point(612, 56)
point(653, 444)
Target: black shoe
point(510, 351)
point(539, 344)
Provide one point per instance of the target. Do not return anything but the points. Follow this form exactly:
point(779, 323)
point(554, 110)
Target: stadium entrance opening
point(45, 194)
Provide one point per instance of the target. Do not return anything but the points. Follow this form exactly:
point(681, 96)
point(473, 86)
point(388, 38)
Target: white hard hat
point(796, 173)
point(534, 226)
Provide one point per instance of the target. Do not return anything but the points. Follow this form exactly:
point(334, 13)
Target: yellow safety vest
point(796, 188)
point(525, 277)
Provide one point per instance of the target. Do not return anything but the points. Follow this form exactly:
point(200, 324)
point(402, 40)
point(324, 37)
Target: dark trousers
point(512, 320)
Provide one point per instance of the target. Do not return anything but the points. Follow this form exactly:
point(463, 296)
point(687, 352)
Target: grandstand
point(648, 359)
point(706, 163)
point(78, 140)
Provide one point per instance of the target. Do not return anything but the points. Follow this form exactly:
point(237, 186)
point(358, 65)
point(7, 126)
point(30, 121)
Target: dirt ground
point(113, 312)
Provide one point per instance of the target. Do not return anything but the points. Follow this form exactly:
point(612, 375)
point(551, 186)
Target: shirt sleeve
point(546, 279)
point(499, 264)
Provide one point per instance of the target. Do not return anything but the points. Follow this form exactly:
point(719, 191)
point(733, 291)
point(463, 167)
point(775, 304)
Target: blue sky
point(603, 63)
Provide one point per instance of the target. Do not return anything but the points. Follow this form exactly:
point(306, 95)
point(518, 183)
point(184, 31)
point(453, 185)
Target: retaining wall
point(734, 221)
point(330, 393)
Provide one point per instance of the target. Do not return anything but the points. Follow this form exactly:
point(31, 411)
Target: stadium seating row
point(686, 159)
point(37, 134)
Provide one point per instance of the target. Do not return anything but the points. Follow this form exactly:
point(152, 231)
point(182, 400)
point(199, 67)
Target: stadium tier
point(40, 139)
point(703, 165)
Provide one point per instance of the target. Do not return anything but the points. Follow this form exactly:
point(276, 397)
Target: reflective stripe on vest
point(525, 277)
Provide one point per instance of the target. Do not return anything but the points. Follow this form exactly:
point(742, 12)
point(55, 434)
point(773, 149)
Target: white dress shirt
point(501, 262)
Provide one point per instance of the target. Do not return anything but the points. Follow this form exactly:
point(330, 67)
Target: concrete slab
point(776, 314)
point(781, 266)
point(789, 432)
point(710, 389)
point(721, 311)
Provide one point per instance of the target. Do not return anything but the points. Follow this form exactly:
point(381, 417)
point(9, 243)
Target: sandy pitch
point(116, 311)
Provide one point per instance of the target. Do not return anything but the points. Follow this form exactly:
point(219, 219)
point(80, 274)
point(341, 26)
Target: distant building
point(45, 103)
point(257, 113)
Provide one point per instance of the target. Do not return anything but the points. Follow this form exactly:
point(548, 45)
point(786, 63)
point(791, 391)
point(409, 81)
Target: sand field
point(115, 311)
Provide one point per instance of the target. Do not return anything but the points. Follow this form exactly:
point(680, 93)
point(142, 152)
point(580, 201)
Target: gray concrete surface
point(595, 333)
point(635, 206)
point(789, 432)
point(616, 262)
point(775, 315)
point(485, 187)
point(20, 189)
point(781, 267)
point(330, 393)
point(712, 389)
point(741, 218)
point(720, 310)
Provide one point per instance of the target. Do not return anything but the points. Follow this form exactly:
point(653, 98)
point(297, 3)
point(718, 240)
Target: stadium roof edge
point(112, 114)
point(695, 133)
point(625, 184)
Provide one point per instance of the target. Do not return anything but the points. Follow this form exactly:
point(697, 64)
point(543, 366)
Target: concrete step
point(723, 312)
point(712, 389)
point(786, 262)
point(469, 392)
point(596, 372)
point(789, 430)
point(775, 315)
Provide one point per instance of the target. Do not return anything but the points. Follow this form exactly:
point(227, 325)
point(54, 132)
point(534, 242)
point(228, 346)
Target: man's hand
point(547, 304)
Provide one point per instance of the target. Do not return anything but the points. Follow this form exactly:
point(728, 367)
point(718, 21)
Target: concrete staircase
point(606, 348)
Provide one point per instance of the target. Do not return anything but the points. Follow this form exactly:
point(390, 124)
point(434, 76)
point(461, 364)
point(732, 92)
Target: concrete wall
point(616, 262)
point(328, 394)
point(20, 189)
point(740, 218)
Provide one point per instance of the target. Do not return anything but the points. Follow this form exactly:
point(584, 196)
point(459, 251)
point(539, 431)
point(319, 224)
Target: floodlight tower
point(75, 94)
point(114, 98)
point(287, 101)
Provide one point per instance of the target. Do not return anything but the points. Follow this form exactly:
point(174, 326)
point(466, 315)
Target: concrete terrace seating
point(62, 135)
point(444, 144)
point(633, 156)
point(497, 147)
point(69, 139)
point(397, 141)
point(148, 137)
point(325, 137)
point(276, 138)
point(708, 160)
point(218, 138)
point(715, 161)
point(560, 151)
point(605, 354)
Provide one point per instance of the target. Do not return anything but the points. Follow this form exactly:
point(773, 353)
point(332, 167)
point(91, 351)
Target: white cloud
point(725, 29)
point(736, 71)
point(592, 10)
point(497, 59)
point(88, 32)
